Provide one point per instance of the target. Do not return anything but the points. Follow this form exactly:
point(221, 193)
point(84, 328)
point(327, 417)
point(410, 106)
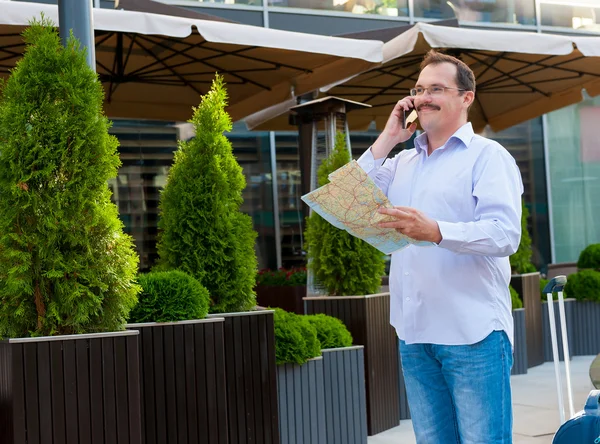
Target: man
point(450, 303)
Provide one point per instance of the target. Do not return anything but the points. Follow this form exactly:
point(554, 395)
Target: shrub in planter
point(584, 285)
point(342, 263)
point(169, 296)
point(203, 231)
point(295, 338)
point(331, 332)
point(520, 261)
point(515, 299)
point(66, 266)
point(589, 257)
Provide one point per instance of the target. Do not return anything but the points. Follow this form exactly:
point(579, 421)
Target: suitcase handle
point(555, 284)
point(591, 405)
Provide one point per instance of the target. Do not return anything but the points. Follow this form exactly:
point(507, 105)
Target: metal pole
point(76, 15)
point(275, 185)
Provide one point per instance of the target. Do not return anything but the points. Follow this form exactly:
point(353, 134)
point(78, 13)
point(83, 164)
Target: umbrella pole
point(76, 15)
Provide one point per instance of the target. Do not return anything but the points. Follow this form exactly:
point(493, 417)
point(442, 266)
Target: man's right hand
point(394, 133)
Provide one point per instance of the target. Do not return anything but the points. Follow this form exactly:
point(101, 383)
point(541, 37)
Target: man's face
point(437, 112)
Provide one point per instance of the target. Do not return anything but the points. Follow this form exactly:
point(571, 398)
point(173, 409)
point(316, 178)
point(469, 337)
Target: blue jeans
point(460, 393)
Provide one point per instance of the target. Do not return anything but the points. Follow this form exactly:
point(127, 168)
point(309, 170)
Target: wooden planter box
point(182, 372)
point(287, 297)
point(345, 397)
point(520, 342)
point(586, 334)
point(528, 286)
point(368, 320)
point(301, 403)
point(70, 389)
point(569, 313)
point(251, 377)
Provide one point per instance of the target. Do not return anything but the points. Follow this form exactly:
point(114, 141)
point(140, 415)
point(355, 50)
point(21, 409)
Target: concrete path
point(535, 405)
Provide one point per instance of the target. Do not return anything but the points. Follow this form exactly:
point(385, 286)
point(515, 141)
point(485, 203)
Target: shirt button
point(406, 273)
point(408, 299)
point(370, 165)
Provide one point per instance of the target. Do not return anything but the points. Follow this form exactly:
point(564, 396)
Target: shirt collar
point(464, 134)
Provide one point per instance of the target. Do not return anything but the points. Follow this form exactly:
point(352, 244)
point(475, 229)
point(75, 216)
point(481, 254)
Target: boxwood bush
point(169, 296)
point(589, 257)
point(331, 332)
point(295, 338)
point(584, 285)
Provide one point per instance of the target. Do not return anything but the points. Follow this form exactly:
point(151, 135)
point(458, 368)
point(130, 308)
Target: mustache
point(429, 105)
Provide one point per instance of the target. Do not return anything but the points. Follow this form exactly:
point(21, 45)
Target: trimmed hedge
point(169, 296)
point(584, 285)
point(589, 257)
point(331, 332)
point(295, 338)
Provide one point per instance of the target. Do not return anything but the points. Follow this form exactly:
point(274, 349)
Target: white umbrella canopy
point(155, 66)
point(520, 75)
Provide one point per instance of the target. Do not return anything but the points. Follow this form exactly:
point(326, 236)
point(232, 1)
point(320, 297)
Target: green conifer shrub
point(514, 298)
point(342, 263)
point(66, 267)
point(331, 332)
point(520, 261)
point(169, 296)
point(589, 257)
point(203, 232)
point(295, 338)
point(584, 285)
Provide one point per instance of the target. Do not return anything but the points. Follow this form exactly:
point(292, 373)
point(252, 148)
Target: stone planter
point(528, 286)
point(301, 396)
point(345, 398)
point(251, 377)
point(569, 312)
point(288, 297)
point(71, 389)
point(368, 320)
point(520, 343)
point(182, 371)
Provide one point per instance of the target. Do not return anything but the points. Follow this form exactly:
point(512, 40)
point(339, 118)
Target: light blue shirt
point(454, 293)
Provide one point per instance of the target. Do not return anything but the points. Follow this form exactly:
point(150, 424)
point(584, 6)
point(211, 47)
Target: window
point(487, 11)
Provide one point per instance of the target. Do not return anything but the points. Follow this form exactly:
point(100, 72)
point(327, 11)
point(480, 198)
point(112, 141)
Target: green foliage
point(342, 263)
point(584, 285)
point(281, 277)
point(515, 299)
point(66, 266)
point(331, 332)
point(520, 261)
point(589, 257)
point(203, 231)
point(295, 338)
point(169, 296)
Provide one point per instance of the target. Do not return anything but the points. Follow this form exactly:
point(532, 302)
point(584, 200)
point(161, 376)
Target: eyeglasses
point(433, 90)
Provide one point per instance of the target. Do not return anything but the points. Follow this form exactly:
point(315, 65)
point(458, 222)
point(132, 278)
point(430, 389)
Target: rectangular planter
point(251, 377)
point(301, 403)
point(287, 297)
point(70, 389)
point(569, 311)
point(345, 397)
point(182, 371)
point(528, 286)
point(368, 320)
point(520, 342)
point(586, 334)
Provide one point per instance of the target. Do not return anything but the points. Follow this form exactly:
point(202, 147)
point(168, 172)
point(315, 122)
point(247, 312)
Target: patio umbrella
point(520, 75)
point(155, 66)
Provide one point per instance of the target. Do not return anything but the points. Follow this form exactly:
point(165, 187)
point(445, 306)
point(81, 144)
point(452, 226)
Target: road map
point(350, 202)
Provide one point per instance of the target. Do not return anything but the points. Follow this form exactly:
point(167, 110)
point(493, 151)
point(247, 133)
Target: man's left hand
point(412, 223)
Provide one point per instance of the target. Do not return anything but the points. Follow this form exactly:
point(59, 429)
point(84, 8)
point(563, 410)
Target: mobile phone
point(412, 117)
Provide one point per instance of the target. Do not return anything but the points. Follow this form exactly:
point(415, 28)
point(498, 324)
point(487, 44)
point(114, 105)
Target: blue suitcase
point(583, 427)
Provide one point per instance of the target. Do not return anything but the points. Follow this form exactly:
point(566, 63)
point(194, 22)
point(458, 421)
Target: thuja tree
point(65, 264)
point(520, 261)
point(203, 231)
point(342, 263)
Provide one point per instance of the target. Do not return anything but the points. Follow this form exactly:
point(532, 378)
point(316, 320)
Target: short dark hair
point(465, 79)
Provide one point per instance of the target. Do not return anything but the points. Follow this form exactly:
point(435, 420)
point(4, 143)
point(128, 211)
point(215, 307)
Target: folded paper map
point(350, 202)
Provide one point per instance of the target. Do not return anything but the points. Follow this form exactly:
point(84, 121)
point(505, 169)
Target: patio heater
point(318, 123)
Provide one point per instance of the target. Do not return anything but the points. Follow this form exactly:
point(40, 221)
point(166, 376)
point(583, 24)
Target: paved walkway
point(535, 407)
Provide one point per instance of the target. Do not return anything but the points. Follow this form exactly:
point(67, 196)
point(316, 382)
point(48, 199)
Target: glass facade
point(379, 7)
point(574, 14)
point(574, 170)
point(520, 12)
